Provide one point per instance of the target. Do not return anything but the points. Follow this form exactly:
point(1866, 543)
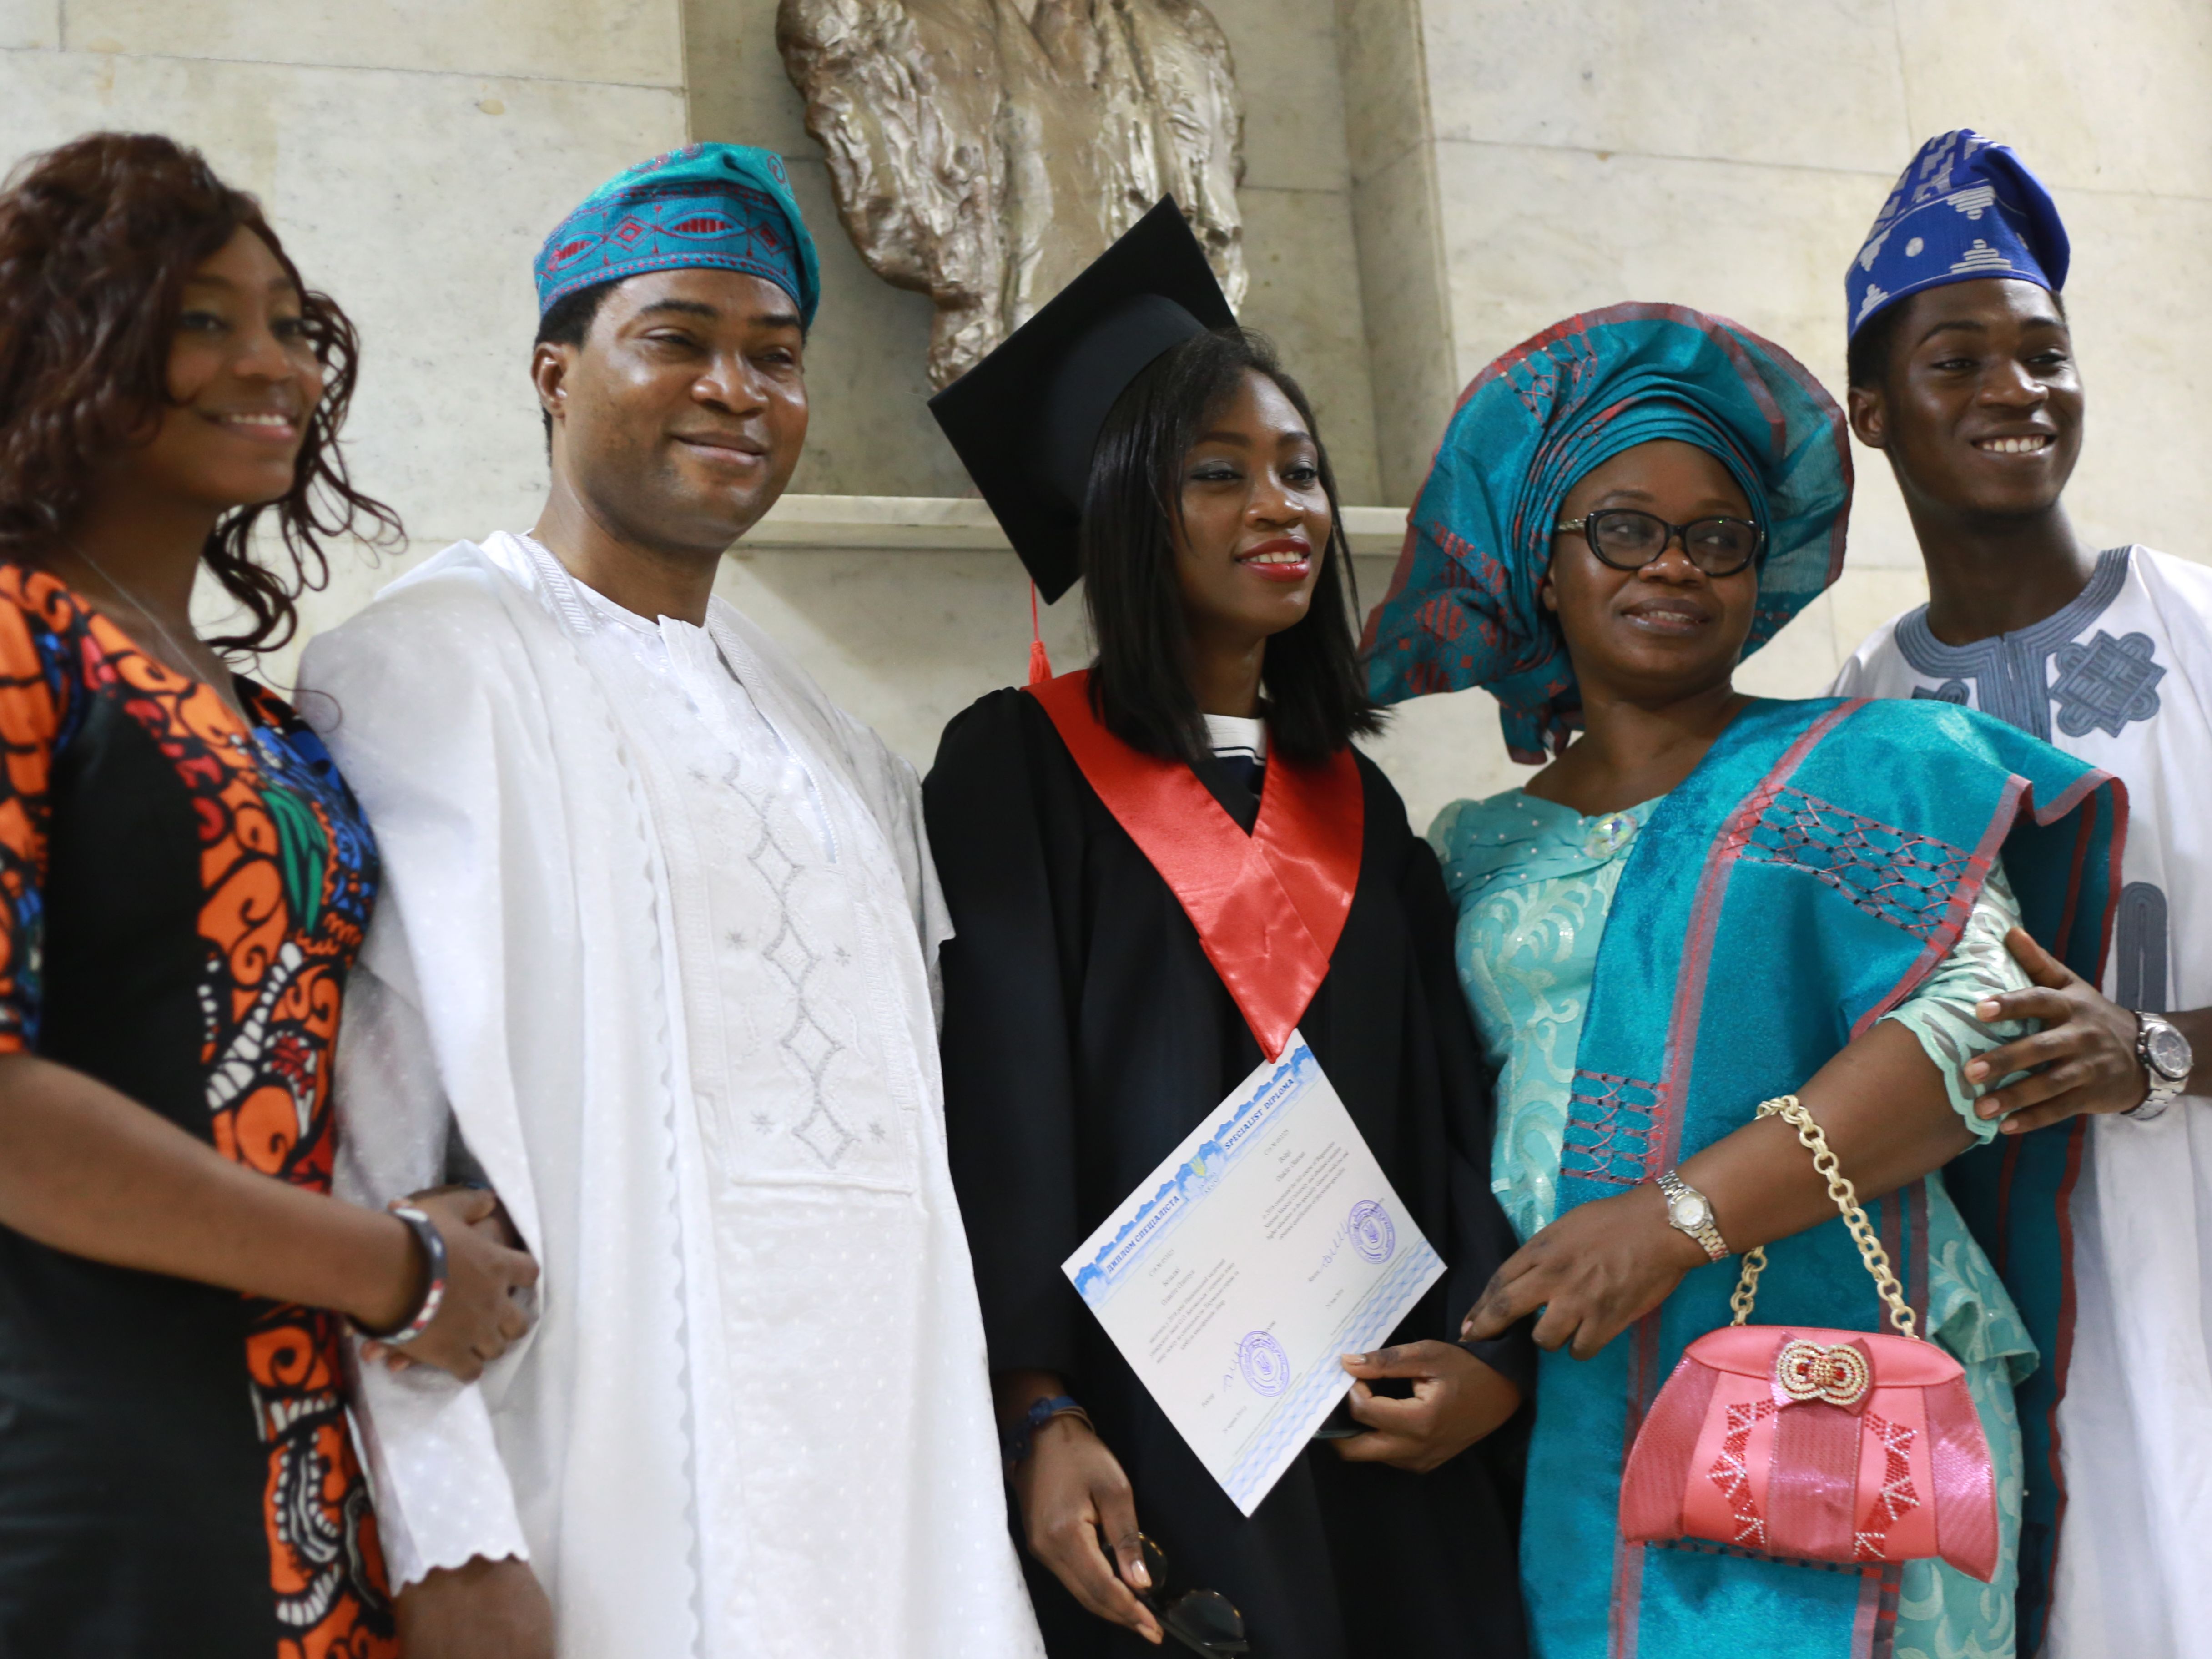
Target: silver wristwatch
point(2166, 1058)
point(1689, 1211)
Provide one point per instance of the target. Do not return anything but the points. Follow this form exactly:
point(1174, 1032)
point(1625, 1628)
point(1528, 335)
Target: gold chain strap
point(1847, 1200)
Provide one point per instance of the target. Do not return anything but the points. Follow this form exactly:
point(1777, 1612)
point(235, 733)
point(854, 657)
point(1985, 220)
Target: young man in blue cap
point(1962, 373)
point(657, 965)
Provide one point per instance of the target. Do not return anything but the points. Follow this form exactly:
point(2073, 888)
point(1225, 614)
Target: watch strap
point(1020, 1440)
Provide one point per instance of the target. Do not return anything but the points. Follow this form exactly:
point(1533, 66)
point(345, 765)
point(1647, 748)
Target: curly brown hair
point(97, 239)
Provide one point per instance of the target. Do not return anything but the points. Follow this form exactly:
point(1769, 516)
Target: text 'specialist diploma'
point(1267, 1245)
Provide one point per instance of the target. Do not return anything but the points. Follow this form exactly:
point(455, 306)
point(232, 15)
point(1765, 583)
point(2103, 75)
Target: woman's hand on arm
point(2085, 1049)
point(1600, 1267)
point(478, 1316)
point(482, 1212)
point(86, 1169)
point(1457, 1400)
point(1594, 1272)
point(1072, 1490)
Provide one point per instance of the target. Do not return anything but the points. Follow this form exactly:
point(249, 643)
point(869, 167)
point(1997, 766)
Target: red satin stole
point(1269, 907)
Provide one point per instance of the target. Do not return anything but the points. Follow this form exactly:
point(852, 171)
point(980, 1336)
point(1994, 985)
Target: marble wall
point(1427, 181)
point(1729, 155)
point(412, 153)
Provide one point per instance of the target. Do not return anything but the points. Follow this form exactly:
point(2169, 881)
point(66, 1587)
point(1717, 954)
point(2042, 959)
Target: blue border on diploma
point(1098, 1278)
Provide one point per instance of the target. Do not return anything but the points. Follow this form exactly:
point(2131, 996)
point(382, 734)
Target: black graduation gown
point(1086, 1035)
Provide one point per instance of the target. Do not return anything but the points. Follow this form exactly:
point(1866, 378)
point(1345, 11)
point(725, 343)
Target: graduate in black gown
point(1090, 1024)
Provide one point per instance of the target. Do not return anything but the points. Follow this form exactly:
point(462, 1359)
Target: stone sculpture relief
point(984, 151)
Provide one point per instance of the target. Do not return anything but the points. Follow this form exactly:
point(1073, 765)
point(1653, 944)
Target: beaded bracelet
point(434, 1293)
point(1018, 1440)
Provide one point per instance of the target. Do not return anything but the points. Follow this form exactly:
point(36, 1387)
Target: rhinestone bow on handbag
point(1816, 1444)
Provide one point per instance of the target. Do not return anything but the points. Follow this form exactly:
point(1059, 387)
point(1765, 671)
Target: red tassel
point(1040, 664)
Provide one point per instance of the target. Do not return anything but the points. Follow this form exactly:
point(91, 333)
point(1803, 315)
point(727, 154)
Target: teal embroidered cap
point(725, 206)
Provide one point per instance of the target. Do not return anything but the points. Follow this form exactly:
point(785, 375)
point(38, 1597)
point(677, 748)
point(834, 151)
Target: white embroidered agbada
point(2122, 678)
point(657, 938)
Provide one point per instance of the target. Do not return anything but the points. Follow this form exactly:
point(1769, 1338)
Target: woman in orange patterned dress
point(184, 882)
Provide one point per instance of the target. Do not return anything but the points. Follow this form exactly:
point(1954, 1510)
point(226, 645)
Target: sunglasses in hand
point(1203, 1621)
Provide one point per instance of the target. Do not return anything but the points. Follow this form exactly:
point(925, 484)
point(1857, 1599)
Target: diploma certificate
point(1265, 1246)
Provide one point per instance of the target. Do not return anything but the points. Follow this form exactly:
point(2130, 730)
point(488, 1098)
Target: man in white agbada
point(656, 959)
point(1968, 385)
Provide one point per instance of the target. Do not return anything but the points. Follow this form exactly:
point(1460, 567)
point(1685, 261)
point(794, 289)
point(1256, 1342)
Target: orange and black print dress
point(180, 898)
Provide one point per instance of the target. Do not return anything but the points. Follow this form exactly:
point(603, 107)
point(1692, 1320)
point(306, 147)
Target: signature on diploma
point(1369, 1232)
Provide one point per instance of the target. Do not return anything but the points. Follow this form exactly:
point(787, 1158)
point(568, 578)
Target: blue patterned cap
point(1462, 608)
point(727, 206)
point(1966, 208)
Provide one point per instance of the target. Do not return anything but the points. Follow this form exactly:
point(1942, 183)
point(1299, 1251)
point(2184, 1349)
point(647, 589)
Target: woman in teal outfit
point(1709, 901)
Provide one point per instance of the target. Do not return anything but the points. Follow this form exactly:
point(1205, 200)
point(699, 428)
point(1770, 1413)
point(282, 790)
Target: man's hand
point(485, 1610)
point(1457, 1400)
point(1070, 1489)
point(2087, 1047)
point(1594, 1272)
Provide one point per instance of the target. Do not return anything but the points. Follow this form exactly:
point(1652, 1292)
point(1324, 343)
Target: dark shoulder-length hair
point(1314, 690)
point(97, 239)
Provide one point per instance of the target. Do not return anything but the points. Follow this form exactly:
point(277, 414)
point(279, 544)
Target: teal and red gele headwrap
point(1462, 609)
point(725, 206)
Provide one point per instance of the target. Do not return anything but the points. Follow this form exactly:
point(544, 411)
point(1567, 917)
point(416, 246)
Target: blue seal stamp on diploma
point(1266, 1368)
point(1372, 1234)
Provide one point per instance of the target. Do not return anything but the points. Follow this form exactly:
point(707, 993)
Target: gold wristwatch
point(1689, 1211)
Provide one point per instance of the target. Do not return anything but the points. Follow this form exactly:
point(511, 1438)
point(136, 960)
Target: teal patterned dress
point(1534, 882)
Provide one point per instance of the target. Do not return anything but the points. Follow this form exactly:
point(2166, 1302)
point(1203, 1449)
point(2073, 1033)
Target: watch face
point(1688, 1212)
point(2167, 1050)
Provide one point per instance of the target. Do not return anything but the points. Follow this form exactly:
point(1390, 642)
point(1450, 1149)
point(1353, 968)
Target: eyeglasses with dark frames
point(1627, 539)
point(1203, 1621)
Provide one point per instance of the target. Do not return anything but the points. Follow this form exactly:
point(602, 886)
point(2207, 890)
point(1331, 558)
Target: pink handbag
point(1817, 1445)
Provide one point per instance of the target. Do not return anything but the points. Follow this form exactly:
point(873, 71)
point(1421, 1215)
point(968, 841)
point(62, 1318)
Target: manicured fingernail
point(1355, 1359)
point(1976, 1070)
point(1985, 1010)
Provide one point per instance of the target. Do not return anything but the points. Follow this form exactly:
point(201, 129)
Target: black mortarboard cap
point(1025, 420)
